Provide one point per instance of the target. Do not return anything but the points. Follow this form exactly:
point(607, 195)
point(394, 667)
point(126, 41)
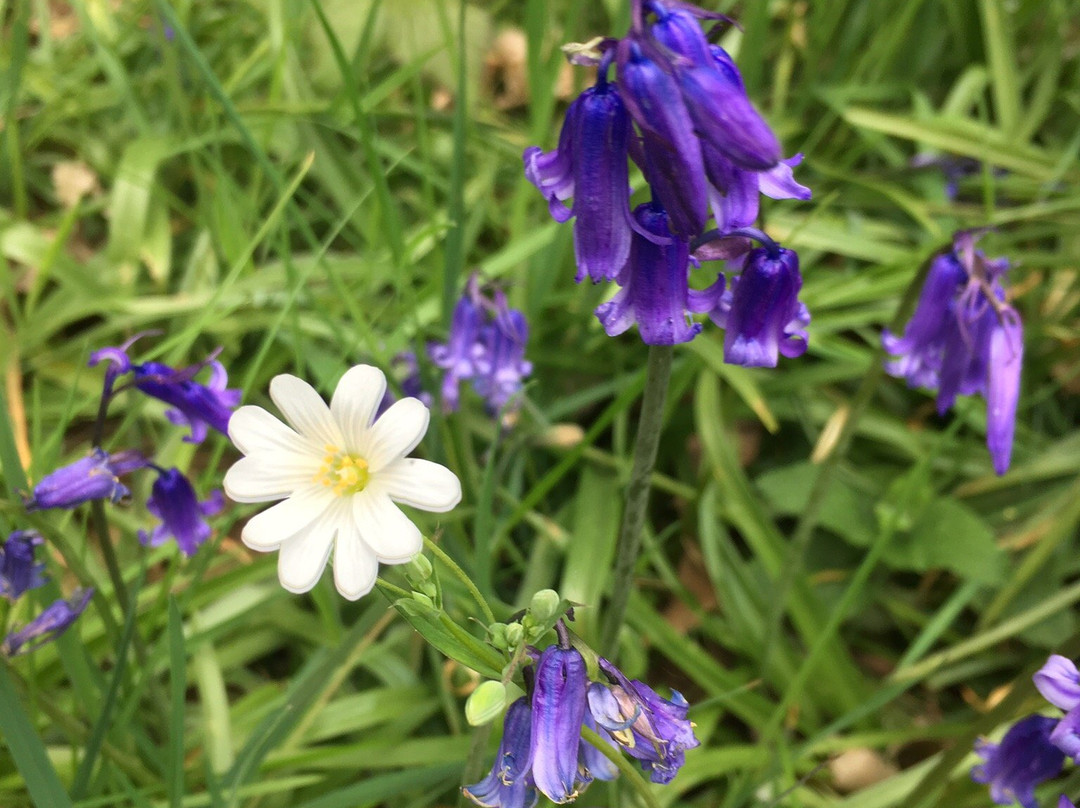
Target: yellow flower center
point(342, 472)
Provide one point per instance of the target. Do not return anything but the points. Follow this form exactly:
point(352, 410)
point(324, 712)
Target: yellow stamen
point(342, 472)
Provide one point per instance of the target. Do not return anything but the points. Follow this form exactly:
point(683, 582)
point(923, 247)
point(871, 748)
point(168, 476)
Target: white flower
point(340, 473)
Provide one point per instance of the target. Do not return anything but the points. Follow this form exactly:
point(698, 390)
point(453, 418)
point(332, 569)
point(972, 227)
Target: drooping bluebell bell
point(671, 157)
point(510, 783)
point(590, 165)
point(1024, 758)
point(486, 346)
point(200, 406)
point(761, 314)
point(18, 570)
point(96, 476)
point(653, 730)
point(558, 712)
point(963, 339)
point(47, 626)
point(655, 291)
point(183, 517)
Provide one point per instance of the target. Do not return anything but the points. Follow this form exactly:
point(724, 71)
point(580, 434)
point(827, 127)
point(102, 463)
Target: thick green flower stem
point(650, 424)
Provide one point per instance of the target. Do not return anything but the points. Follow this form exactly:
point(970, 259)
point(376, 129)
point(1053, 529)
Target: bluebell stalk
point(200, 406)
point(964, 339)
point(18, 571)
point(1024, 758)
point(655, 291)
point(47, 626)
point(183, 517)
point(96, 476)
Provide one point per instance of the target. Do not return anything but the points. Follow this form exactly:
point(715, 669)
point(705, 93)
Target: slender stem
point(650, 424)
point(459, 573)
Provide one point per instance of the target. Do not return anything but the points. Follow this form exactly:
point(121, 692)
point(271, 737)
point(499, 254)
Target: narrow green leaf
point(26, 748)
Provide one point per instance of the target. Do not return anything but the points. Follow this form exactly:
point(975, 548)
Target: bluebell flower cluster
point(543, 751)
point(20, 572)
point(963, 339)
point(173, 500)
point(675, 104)
point(486, 347)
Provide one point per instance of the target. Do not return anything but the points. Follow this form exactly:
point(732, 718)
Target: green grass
point(308, 185)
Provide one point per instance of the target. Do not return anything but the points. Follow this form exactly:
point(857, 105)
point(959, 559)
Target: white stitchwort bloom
point(339, 472)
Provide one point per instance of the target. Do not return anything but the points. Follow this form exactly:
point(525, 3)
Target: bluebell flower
point(47, 626)
point(96, 476)
point(199, 406)
point(502, 367)
point(1024, 758)
point(458, 356)
point(670, 155)
point(510, 783)
point(486, 347)
point(761, 314)
point(590, 165)
point(558, 712)
point(655, 291)
point(18, 571)
point(1059, 682)
point(713, 91)
point(653, 730)
point(183, 517)
point(965, 339)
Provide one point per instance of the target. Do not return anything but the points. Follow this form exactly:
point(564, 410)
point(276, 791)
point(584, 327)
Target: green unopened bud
point(544, 606)
point(486, 703)
point(420, 567)
point(514, 635)
point(424, 600)
point(498, 635)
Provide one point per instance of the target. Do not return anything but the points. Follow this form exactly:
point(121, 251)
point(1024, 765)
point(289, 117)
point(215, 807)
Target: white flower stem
point(650, 425)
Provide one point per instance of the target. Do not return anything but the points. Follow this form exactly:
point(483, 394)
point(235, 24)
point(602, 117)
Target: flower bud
point(544, 606)
point(486, 703)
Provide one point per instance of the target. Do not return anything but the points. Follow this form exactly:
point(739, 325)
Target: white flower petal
point(421, 484)
point(395, 434)
point(384, 528)
point(302, 558)
point(355, 565)
point(305, 410)
point(270, 529)
point(262, 477)
point(253, 429)
point(355, 402)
